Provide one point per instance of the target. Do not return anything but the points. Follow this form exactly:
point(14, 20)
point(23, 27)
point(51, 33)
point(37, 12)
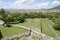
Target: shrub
point(7, 25)
point(57, 27)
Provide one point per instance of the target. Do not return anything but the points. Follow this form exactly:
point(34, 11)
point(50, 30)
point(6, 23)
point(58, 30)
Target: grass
point(51, 23)
point(58, 32)
point(31, 22)
point(24, 38)
point(36, 23)
point(35, 38)
point(7, 32)
point(46, 30)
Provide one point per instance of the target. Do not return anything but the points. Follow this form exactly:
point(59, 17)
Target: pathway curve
point(34, 30)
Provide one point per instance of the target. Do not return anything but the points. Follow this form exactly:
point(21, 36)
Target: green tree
point(57, 24)
point(21, 18)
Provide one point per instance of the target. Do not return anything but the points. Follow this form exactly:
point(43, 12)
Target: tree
point(57, 24)
point(3, 14)
point(21, 18)
point(57, 27)
point(1, 35)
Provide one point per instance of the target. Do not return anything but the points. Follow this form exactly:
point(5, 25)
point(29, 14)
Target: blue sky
point(28, 4)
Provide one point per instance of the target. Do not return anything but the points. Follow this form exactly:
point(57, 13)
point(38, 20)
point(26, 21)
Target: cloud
point(32, 6)
point(23, 4)
point(0, 4)
point(56, 2)
point(5, 5)
point(40, 5)
point(44, 4)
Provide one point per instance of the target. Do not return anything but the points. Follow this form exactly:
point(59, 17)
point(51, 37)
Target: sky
point(28, 4)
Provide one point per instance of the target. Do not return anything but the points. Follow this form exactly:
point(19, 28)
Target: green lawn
point(36, 23)
point(46, 30)
point(58, 32)
point(31, 22)
point(35, 38)
point(7, 32)
point(51, 23)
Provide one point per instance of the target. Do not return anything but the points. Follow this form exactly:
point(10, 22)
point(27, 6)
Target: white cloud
point(56, 2)
point(5, 5)
point(0, 4)
point(32, 6)
point(24, 4)
point(44, 4)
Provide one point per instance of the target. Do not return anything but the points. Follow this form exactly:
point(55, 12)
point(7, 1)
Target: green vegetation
point(31, 22)
point(56, 25)
point(37, 23)
point(29, 19)
point(35, 38)
point(46, 30)
point(7, 32)
point(11, 18)
point(24, 38)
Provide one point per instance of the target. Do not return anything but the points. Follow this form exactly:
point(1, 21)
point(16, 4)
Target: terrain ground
point(7, 32)
point(33, 24)
point(36, 23)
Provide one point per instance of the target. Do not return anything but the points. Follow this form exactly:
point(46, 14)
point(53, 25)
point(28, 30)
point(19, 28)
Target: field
point(36, 23)
point(46, 30)
point(31, 22)
point(57, 31)
point(7, 32)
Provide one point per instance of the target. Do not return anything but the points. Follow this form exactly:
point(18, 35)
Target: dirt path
point(34, 30)
point(30, 28)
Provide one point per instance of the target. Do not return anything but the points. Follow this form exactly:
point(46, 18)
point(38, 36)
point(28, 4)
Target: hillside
point(56, 8)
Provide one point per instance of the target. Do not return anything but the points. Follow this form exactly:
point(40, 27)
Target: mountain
point(56, 8)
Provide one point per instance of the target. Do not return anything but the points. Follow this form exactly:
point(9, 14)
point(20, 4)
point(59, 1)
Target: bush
point(1, 35)
point(57, 27)
point(7, 25)
point(22, 20)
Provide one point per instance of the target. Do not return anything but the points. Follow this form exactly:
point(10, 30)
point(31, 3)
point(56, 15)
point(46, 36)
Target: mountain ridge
point(56, 8)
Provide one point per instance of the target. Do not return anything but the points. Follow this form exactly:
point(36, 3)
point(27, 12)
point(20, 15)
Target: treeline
point(57, 23)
